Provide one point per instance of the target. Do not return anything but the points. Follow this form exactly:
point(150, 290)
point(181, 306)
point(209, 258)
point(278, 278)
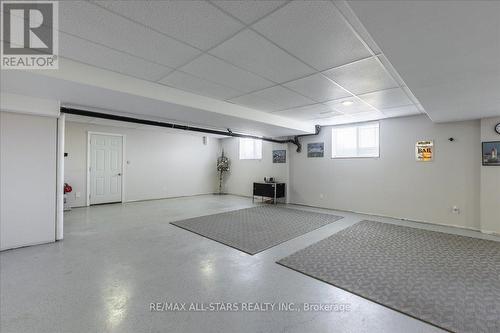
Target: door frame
point(89, 134)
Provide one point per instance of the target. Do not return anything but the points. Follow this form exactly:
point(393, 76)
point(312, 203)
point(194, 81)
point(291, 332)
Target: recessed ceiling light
point(347, 103)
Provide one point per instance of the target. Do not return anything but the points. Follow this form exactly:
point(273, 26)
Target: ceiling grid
point(277, 56)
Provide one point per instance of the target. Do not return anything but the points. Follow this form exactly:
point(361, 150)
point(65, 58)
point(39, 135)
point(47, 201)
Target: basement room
point(250, 166)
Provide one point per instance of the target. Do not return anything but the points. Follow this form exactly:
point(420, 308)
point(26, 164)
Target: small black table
point(269, 190)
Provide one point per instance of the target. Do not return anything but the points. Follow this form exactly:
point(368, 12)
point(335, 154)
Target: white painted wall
point(490, 182)
point(29, 105)
point(395, 184)
point(243, 173)
point(163, 163)
point(28, 179)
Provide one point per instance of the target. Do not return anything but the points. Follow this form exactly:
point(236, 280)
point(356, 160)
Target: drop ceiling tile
point(362, 77)
point(255, 102)
point(213, 69)
point(401, 111)
point(91, 22)
point(283, 97)
point(350, 118)
point(314, 31)
point(99, 56)
point(197, 85)
point(332, 115)
point(248, 11)
point(331, 121)
point(253, 52)
point(317, 87)
point(308, 112)
point(392, 71)
point(272, 99)
point(386, 98)
point(367, 116)
point(197, 23)
point(356, 106)
point(347, 12)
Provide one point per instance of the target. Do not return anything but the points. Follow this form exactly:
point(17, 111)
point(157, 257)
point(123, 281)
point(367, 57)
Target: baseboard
point(489, 232)
point(240, 195)
point(27, 245)
point(404, 219)
point(160, 198)
point(174, 197)
point(249, 196)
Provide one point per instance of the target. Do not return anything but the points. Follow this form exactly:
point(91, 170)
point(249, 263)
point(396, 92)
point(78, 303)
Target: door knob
point(119, 174)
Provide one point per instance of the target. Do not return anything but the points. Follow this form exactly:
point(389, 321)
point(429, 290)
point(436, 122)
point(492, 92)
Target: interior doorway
point(105, 168)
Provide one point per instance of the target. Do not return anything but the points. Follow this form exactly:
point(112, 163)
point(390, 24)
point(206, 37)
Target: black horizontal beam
point(228, 133)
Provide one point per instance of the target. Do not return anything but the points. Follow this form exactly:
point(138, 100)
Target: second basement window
point(354, 141)
point(250, 149)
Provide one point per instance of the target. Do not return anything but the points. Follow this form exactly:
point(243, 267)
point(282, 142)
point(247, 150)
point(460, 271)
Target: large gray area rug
point(256, 229)
point(450, 281)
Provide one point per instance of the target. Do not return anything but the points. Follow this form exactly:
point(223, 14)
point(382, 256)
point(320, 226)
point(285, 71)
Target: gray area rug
point(450, 281)
point(256, 229)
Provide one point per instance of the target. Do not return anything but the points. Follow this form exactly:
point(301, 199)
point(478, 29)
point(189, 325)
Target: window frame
point(253, 158)
point(356, 125)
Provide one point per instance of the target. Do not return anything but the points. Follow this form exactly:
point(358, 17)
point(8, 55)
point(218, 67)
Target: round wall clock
point(497, 128)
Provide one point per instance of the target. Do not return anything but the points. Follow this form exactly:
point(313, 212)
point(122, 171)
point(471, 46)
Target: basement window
point(356, 141)
point(250, 149)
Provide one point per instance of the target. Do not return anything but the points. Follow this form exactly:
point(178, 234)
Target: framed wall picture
point(279, 156)
point(316, 149)
point(490, 153)
point(424, 151)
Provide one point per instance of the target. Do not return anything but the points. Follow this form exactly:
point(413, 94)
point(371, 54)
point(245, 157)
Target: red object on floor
point(67, 188)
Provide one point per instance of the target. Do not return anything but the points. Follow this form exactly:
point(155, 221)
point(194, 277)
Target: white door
point(105, 168)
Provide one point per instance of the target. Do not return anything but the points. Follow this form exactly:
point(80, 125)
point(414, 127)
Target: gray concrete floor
point(117, 259)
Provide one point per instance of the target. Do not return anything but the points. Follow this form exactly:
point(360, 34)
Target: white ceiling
point(86, 87)
point(447, 52)
point(297, 59)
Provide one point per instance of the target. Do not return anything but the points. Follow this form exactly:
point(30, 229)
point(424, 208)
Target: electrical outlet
point(321, 195)
point(78, 194)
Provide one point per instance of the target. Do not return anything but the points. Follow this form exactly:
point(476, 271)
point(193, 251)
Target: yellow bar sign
point(424, 151)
